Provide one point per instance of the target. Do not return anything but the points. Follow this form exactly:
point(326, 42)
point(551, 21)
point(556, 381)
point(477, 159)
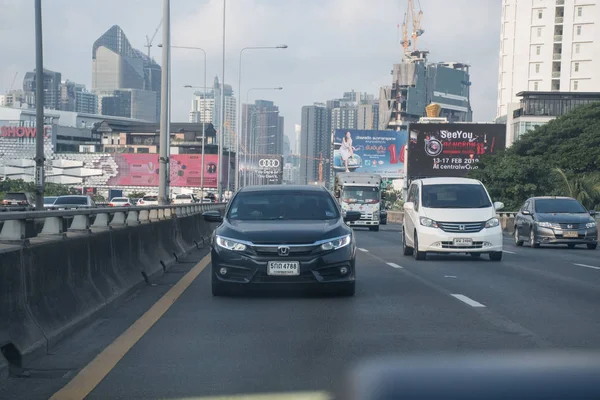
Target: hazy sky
point(334, 45)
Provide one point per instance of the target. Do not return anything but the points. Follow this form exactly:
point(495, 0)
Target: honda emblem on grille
point(461, 227)
point(283, 251)
point(570, 226)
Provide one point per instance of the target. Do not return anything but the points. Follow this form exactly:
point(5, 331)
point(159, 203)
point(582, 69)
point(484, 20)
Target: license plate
point(463, 242)
point(571, 234)
point(283, 268)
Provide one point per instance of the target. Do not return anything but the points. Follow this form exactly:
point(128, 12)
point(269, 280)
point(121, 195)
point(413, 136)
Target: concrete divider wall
point(52, 286)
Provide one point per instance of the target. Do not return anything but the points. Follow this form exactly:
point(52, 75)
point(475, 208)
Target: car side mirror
point(526, 212)
point(352, 216)
point(212, 216)
point(592, 212)
point(409, 206)
point(498, 205)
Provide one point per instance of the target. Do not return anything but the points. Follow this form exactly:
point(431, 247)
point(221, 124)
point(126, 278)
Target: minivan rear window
point(455, 196)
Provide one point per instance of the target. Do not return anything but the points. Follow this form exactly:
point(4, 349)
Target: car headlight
point(545, 224)
point(230, 244)
point(492, 222)
point(337, 243)
point(428, 222)
point(590, 225)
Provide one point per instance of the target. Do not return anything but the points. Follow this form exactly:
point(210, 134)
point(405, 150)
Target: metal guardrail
point(20, 225)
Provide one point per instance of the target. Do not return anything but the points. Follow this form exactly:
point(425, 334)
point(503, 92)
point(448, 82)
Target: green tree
point(570, 143)
point(584, 188)
point(137, 195)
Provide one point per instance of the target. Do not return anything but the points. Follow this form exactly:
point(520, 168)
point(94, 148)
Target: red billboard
point(186, 170)
point(22, 131)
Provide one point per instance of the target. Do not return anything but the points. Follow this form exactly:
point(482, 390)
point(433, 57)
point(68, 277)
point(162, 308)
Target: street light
point(237, 142)
point(251, 89)
point(203, 127)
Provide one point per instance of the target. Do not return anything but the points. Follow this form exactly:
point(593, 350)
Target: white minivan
point(451, 215)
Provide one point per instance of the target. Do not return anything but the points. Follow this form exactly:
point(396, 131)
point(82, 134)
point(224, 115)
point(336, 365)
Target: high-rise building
point(117, 66)
point(51, 88)
point(75, 97)
point(417, 83)
point(297, 135)
point(207, 105)
point(262, 128)
point(368, 116)
point(546, 46)
point(315, 144)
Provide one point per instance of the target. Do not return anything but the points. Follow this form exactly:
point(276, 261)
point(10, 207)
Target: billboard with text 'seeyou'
point(451, 150)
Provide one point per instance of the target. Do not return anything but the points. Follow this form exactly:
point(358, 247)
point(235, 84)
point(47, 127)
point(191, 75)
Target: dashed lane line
point(509, 252)
point(467, 300)
point(586, 266)
point(363, 250)
point(394, 265)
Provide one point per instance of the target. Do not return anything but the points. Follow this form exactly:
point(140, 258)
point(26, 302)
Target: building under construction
point(417, 83)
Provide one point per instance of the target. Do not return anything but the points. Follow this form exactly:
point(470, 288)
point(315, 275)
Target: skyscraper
point(315, 144)
point(117, 66)
point(51, 88)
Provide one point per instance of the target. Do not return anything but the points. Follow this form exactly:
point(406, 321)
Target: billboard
point(451, 150)
point(270, 169)
point(375, 152)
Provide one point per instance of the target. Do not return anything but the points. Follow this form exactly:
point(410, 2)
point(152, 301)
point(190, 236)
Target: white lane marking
point(394, 265)
point(363, 250)
point(449, 276)
point(586, 266)
point(467, 300)
point(509, 252)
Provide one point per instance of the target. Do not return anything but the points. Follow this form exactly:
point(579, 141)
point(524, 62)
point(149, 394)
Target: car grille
point(294, 250)
point(366, 216)
point(569, 226)
point(461, 227)
point(450, 245)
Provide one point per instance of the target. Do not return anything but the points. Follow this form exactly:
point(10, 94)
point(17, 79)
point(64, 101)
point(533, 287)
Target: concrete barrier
point(53, 283)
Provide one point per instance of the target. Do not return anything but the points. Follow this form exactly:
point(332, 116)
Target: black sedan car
point(555, 220)
point(281, 236)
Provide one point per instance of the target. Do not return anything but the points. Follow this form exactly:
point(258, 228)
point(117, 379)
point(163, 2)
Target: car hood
point(576, 218)
point(283, 232)
point(459, 214)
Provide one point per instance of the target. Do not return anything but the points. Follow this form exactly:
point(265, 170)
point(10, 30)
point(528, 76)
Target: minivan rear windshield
point(455, 196)
point(15, 196)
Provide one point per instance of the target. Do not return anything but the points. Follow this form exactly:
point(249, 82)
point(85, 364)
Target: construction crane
point(415, 20)
point(150, 40)
point(12, 85)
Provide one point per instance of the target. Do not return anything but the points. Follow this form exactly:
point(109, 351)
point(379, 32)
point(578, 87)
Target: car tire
point(347, 290)
point(475, 255)
point(219, 288)
point(406, 250)
point(496, 256)
point(419, 255)
point(518, 241)
point(592, 246)
point(374, 228)
point(532, 242)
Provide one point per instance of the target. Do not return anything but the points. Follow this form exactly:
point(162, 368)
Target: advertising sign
point(375, 152)
point(451, 150)
point(270, 169)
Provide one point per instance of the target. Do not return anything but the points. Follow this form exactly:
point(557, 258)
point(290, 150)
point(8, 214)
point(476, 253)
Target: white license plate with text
point(283, 268)
point(463, 242)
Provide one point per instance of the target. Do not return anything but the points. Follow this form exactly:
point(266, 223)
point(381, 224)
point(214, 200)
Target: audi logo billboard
point(270, 169)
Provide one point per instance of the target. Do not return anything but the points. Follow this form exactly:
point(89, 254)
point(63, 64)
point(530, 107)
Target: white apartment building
point(547, 46)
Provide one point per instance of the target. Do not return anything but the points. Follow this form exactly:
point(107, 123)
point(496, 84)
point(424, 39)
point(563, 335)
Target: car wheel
point(571, 246)
point(374, 228)
point(496, 256)
point(532, 242)
point(592, 246)
point(219, 288)
point(419, 255)
point(475, 255)
point(347, 290)
point(518, 241)
point(407, 251)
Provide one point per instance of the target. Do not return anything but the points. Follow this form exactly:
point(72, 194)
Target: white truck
point(360, 192)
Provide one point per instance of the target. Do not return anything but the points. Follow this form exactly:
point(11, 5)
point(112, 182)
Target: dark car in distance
point(555, 220)
point(283, 237)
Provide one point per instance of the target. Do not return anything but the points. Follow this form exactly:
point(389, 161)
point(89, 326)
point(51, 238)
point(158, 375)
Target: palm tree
point(584, 188)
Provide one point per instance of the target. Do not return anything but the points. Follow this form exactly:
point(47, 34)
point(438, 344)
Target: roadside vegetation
point(560, 158)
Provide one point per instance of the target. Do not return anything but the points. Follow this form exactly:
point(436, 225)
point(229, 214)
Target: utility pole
point(39, 109)
point(163, 159)
point(222, 128)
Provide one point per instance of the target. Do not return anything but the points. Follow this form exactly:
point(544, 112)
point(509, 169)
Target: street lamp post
point(237, 142)
point(39, 109)
point(204, 94)
point(163, 159)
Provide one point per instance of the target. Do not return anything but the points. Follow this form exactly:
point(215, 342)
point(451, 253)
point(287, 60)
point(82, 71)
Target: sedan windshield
point(283, 205)
point(558, 206)
point(455, 196)
point(71, 200)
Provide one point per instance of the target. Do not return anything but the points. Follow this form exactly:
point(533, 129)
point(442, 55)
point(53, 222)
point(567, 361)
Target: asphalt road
point(544, 298)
